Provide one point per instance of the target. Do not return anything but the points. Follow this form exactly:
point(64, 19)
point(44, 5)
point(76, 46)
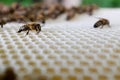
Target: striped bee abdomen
point(97, 24)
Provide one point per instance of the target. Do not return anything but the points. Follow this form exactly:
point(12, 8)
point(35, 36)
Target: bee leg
point(1, 26)
point(27, 33)
point(38, 29)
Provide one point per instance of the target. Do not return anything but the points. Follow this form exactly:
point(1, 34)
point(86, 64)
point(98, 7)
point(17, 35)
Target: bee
point(9, 74)
point(30, 26)
point(102, 22)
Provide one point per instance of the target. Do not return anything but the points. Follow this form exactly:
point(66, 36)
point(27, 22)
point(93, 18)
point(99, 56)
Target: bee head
point(95, 26)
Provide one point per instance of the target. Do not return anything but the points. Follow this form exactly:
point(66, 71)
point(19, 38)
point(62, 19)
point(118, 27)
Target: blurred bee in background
point(41, 17)
point(90, 9)
point(30, 26)
point(9, 74)
point(102, 22)
point(71, 13)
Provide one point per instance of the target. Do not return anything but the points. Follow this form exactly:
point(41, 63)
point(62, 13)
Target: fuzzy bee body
point(31, 26)
point(101, 22)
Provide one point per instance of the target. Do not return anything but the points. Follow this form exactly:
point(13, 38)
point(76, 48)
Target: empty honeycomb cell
point(43, 46)
point(71, 77)
point(35, 51)
point(107, 69)
point(12, 36)
point(27, 57)
point(7, 42)
point(70, 63)
point(89, 57)
point(108, 45)
point(93, 51)
point(69, 51)
point(12, 51)
point(82, 51)
point(117, 76)
point(9, 46)
point(58, 51)
point(39, 57)
point(6, 62)
point(97, 46)
point(22, 69)
point(22, 51)
point(46, 51)
point(78, 70)
point(111, 41)
point(56, 77)
point(97, 63)
point(86, 47)
point(69, 43)
point(105, 50)
point(18, 62)
point(117, 50)
point(15, 56)
point(111, 62)
point(102, 56)
point(3, 56)
point(2, 51)
point(31, 47)
point(93, 70)
point(76, 57)
point(114, 56)
point(42, 77)
point(50, 42)
point(64, 70)
point(53, 47)
point(118, 68)
point(84, 63)
point(64, 47)
point(27, 77)
point(52, 57)
point(85, 77)
point(14, 39)
point(102, 77)
point(36, 70)
point(64, 57)
point(1, 46)
point(50, 70)
point(31, 63)
point(18, 43)
point(75, 47)
point(58, 63)
point(44, 63)
point(27, 43)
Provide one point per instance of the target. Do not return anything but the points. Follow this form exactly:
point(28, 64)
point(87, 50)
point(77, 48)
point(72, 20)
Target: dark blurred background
point(101, 3)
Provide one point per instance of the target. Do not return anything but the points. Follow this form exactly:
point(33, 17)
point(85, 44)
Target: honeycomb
point(64, 50)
